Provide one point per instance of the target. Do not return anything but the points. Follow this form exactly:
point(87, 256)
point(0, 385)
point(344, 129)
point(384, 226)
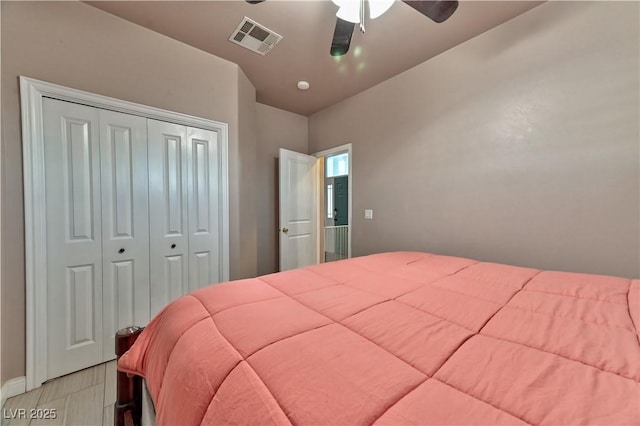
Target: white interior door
point(74, 238)
point(203, 172)
point(298, 212)
point(168, 219)
point(125, 224)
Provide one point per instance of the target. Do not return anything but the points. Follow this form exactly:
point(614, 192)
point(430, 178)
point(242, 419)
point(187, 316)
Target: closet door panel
point(167, 148)
point(74, 238)
point(175, 273)
point(125, 223)
point(204, 207)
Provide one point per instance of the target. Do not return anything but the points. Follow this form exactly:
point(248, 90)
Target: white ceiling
point(393, 43)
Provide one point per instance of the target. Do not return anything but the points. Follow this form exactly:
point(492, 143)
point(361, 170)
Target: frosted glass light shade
point(378, 7)
point(349, 10)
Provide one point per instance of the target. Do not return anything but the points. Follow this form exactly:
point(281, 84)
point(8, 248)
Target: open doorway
point(335, 203)
point(315, 207)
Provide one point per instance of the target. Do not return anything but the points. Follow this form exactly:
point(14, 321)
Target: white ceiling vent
point(254, 36)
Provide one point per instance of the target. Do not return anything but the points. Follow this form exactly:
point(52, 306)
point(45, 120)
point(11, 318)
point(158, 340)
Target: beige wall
point(246, 256)
point(276, 129)
point(76, 45)
point(519, 146)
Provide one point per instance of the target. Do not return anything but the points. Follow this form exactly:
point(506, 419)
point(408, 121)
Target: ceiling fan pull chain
point(362, 16)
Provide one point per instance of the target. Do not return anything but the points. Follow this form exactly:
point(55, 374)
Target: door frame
point(348, 147)
point(32, 92)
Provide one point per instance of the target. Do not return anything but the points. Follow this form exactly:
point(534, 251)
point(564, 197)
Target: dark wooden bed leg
point(128, 407)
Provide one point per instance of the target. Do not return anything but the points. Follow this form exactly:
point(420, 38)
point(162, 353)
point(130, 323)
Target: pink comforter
point(397, 338)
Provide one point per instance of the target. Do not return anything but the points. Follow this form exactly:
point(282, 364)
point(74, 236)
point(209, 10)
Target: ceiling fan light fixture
point(378, 7)
point(349, 10)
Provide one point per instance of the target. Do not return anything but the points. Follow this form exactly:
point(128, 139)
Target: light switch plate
point(368, 214)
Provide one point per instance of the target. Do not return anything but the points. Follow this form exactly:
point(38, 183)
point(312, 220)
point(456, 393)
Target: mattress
point(397, 338)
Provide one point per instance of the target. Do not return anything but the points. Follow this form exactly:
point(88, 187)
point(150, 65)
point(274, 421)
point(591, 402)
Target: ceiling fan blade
point(438, 11)
point(254, 1)
point(341, 37)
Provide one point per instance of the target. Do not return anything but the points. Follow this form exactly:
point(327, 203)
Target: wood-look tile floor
point(83, 398)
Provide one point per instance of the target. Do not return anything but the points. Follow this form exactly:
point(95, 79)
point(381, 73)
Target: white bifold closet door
point(74, 237)
point(133, 221)
point(169, 219)
point(203, 153)
point(184, 204)
point(125, 224)
point(97, 231)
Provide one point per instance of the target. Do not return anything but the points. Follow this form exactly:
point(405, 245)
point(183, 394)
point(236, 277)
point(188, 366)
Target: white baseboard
point(12, 388)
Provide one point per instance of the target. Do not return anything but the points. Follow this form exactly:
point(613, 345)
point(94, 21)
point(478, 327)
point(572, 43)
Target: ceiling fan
point(352, 12)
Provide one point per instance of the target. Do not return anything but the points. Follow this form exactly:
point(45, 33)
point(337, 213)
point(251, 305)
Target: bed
point(394, 338)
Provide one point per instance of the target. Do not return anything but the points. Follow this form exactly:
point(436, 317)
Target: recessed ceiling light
point(303, 85)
